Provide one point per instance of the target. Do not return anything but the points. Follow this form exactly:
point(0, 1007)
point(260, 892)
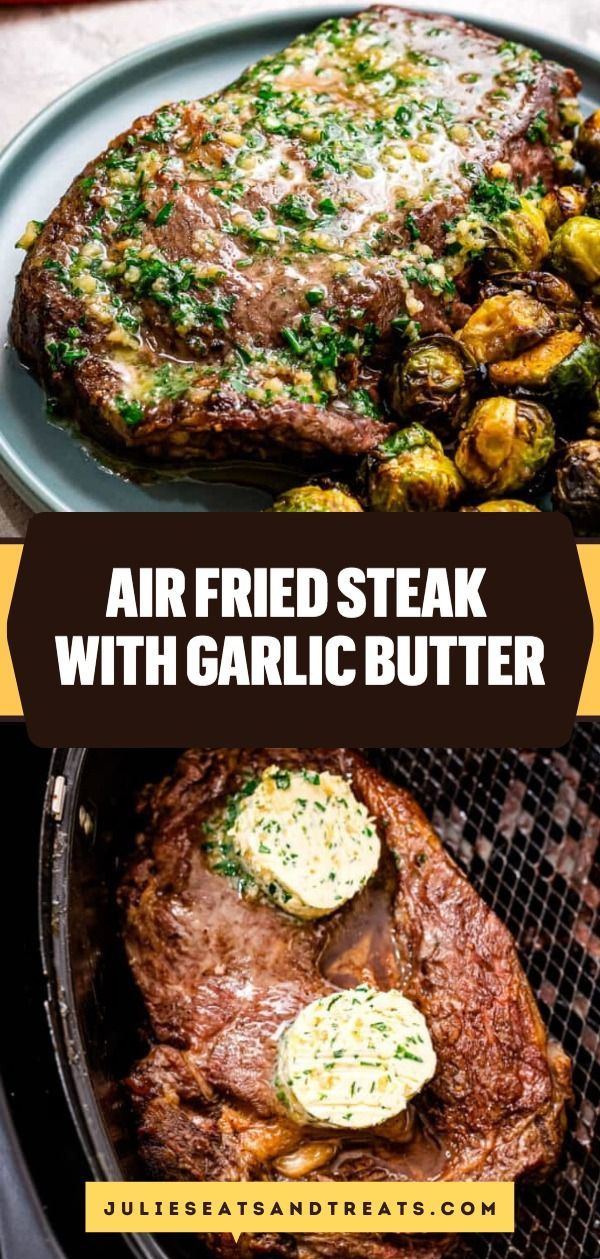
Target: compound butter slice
point(305, 839)
point(354, 1059)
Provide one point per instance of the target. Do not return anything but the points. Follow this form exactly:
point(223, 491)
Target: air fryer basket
point(524, 827)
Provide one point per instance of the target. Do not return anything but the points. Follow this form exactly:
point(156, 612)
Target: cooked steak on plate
point(221, 970)
point(225, 277)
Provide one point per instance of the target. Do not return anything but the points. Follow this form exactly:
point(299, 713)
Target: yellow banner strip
point(321, 1207)
point(10, 558)
point(589, 555)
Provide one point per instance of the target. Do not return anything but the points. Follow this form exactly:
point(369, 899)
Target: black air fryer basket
point(524, 828)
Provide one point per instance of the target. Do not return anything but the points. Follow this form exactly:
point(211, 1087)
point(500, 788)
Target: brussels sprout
point(413, 474)
point(587, 144)
point(519, 239)
point(315, 498)
point(575, 250)
point(561, 204)
point(434, 381)
point(504, 444)
point(566, 367)
point(577, 491)
point(592, 201)
point(502, 504)
point(505, 325)
point(553, 290)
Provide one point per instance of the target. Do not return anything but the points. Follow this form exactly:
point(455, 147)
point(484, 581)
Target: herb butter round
point(354, 1058)
point(305, 839)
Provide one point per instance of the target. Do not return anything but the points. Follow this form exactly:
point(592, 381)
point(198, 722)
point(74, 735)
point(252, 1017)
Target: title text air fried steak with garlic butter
point(244, 961)
point(226, 277)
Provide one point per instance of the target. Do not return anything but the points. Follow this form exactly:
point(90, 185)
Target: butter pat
point(306, 840)
point(354, 1059)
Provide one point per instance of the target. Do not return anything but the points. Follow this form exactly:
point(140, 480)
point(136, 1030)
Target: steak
point(220, 972)
point(226, 278)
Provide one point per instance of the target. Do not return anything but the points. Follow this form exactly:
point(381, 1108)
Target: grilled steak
point(226, 276)
point(220, 972)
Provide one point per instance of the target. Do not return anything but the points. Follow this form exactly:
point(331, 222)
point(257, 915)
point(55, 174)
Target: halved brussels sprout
point(315, 498)
point(434, 382)
point(505, 443)
point(505, 325)
point(565, 367)
point(587, 144)
point(561, 204)
point(577, 491)
point(575, 251)
point(412, 473)
point(553, 290)
point(519, 239)
point(502, 504)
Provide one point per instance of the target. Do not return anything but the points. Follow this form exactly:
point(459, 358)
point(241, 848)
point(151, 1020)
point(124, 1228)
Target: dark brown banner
point(249, 629)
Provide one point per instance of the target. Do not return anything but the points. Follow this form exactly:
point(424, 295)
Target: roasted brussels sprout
point(561, 204)
point(519, 239)
point(504, 444)
point(315, 498)
point(505, 325)
point(412, 473)
point(502, 504)
point(587, 144)
point(553, 290)
point(565, 367)
point(575, 251)
point(433, 382)
point(577, 491)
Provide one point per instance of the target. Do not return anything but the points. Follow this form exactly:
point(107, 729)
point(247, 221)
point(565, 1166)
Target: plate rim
point(29, 485)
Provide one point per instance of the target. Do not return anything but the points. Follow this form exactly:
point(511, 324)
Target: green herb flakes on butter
point(305, 839)
point(354, 1058)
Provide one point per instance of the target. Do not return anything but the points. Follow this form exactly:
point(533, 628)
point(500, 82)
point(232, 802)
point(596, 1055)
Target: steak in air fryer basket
point(219, 973)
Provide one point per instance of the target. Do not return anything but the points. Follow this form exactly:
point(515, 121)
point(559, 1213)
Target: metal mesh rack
point(524, 827)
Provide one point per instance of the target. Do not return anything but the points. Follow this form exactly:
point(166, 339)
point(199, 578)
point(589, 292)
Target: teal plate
point(47, 465)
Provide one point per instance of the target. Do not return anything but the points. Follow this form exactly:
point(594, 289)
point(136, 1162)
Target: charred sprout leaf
point(519, 239)
point(505, 325)
point(587, 144)
point(562, 203)
point(552, 290)
point(314, 498)
point(414, 474)
point(434, 382)
point(504, 445)
point(575, 251)
point(577, 491)
point(502, 504)
point(592, 204)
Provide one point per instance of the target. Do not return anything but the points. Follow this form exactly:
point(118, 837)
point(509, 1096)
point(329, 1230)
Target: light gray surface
point(46, 50)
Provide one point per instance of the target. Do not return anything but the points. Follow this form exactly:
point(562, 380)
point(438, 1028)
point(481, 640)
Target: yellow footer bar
point(323, 1207)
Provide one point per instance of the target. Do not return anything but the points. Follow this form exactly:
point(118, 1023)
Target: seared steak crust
point(225, 276)
point(221, 972)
